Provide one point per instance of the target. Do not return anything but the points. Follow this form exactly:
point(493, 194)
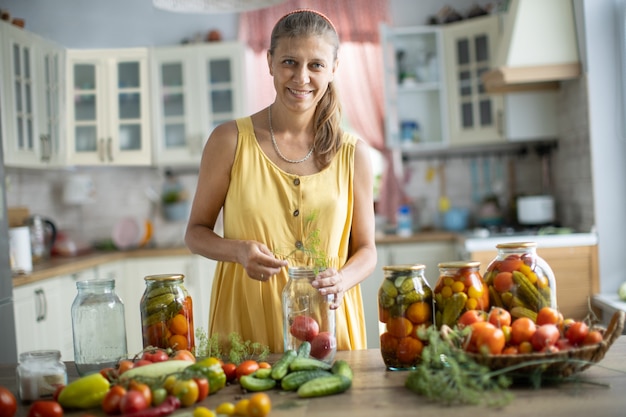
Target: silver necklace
point(283, 157)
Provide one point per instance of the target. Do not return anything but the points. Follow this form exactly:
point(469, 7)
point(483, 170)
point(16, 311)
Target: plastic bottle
point(404, 221)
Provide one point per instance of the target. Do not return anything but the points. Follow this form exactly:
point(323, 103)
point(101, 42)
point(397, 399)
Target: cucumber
point(305, 364)
point(293, 380)
point(252, 383)
point(280, 368)
point(325, 385)
point(304, 350)
point(263, 373)
point(341, 367)
point(156, 370)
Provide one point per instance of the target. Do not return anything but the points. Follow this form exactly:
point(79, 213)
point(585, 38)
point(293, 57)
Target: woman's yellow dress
point(266, 204)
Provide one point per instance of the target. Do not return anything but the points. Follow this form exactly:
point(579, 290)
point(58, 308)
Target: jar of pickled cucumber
point(405, 304)
point(460, 287)
point(519, 280)
point(167, 313)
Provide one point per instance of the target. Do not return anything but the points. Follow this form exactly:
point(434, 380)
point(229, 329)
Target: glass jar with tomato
point(520, 281)
point(460, 287)
point(167, 313)
point(405, 304)
point(307, 315)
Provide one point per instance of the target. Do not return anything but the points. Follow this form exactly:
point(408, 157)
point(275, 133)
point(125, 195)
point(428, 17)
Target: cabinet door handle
point(46, 148)
point(500, 123)
point(41, 307)
point(110, 149)
point(101, 150)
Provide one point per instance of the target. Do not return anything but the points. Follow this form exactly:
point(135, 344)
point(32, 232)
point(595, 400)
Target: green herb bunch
point(310, 254)
point(236, 351)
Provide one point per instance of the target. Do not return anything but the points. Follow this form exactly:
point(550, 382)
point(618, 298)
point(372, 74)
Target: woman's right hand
point(259, 262)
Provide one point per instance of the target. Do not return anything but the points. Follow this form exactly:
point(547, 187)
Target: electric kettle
point(43, 233)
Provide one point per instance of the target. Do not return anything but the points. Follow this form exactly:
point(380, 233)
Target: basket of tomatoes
point(546, 345)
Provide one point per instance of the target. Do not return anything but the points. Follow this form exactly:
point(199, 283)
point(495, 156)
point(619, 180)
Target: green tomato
point(621, 292)
point(158, 396)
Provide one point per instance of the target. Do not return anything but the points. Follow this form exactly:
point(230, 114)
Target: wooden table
point(377, 392)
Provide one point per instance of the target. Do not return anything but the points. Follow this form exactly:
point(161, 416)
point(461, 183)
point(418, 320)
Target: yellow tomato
point(226, 408)
point(241, 407)
point(260, 405)
point(186, 391)
point(203, 412)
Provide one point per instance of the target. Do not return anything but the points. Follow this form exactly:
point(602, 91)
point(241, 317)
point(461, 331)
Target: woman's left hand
point(330, 281)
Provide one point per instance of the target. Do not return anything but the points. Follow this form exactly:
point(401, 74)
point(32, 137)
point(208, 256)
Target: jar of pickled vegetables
point(405, 304)
point(460, 287)
point(519, 280)
point(167, 313)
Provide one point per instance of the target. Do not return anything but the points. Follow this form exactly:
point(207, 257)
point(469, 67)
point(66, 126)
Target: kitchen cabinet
point(475, 117)
point(32, 99)
point(575, 269)
point(108, 110)
point(414, 88)
point(196, 88)
point(427, 253)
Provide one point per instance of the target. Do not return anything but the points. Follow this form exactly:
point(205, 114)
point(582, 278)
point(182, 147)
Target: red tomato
point(511, 263)
point(203, 388)
point(322, 345)
point(112, 399)
point(124, 365)
point(264, 365)
point(503, 281)
point(57, 391)
point(486, 338)
point(563, 344)
point(577, 332)
point(141, 362)
point(184, 355)
point(499, 317)
point(132, 402)
point(304, 328)
point(144, 389)
point(8, 403)
point(45, 409)
point(545, 336)
point(155, 355)
point(470, 317)
point(549, 315)
point(522, 330)
point(230, 370)
point(109, 373)
point(593, 337)
point(246, 368)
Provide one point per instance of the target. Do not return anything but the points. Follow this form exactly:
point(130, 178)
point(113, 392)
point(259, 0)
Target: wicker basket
point(562, 364)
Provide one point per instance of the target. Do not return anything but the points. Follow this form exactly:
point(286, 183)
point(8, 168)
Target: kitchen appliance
point(43, 233)
point(8, 344)
point(535, 210)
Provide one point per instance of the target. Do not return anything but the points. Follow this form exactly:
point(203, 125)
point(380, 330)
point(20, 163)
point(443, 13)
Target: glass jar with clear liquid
point(98, 326)
point(307, 316)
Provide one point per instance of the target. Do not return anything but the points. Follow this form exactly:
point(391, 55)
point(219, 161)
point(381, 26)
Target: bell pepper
point(211, 369)
point(85, 392)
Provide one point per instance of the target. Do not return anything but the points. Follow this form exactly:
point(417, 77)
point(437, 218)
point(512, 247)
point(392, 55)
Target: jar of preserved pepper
point(405, 304)
point(307, 315)
point(460, 287)
point(167, 313)
point(519, 280)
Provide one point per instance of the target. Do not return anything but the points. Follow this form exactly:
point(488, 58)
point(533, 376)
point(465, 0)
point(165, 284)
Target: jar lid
point(164, 277)
point(515, 245)
point(459, 264)
point(406, 267)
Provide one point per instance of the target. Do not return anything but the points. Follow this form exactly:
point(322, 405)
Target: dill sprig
point(310, 253)
point(447, 374)
point(237, 351)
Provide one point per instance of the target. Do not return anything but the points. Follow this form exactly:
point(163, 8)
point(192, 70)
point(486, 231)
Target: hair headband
point(322, 15)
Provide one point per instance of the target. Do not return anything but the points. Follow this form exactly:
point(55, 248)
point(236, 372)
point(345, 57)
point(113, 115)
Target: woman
point(272, 171)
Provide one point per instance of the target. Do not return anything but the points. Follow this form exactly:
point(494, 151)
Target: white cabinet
point(32, 98)
point(428, 253)
point(415, 92)
point(475, 117)
point(196, 88)
point(40, 317)
point(108, 110)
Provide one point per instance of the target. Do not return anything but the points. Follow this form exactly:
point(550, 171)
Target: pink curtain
point(359, 77)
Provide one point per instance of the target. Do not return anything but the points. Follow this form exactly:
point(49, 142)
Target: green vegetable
point(280, 368)
point(85, 392)
point(252, 383)
point(213, 371)
point(447, 374)
point(341, 367)
point(305, 364)
point(263, 373)
point(325, 385)
point(157, 370)
point(304, 350)
point(293, 380)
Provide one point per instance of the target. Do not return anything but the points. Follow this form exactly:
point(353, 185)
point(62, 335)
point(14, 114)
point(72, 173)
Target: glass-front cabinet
point(31, 98)
point(475, 117)
point(197, 87)
point(415, 94)
point(108, 111)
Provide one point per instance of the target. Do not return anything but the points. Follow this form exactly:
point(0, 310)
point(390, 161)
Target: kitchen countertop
point(375, 392)
point(475, 244)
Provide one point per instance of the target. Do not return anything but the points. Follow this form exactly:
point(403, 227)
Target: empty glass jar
point(98, 326)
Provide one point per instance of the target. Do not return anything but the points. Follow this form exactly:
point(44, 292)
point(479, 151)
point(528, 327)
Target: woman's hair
point(327, 119)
